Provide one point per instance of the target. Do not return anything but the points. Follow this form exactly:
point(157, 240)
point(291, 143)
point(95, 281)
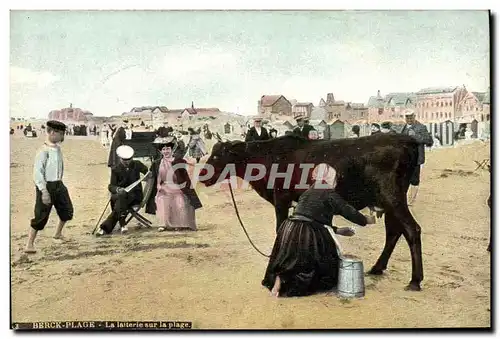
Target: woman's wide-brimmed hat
point(170, 140)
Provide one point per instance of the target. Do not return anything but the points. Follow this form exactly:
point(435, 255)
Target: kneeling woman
point(175, 201)
point(304, 259)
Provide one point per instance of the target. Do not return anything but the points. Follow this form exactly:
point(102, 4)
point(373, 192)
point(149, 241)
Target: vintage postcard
point(180, 170)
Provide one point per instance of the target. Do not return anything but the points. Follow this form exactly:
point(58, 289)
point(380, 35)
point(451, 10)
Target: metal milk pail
point(351, 282)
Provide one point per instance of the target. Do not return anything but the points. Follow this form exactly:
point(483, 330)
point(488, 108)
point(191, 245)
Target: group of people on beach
point(258, 132)
point(174, 207)
point(304, 258)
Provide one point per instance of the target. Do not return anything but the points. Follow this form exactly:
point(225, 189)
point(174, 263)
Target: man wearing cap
point(257, 132)
point(419, 132)
point(386, 128)
point(302, 129)
point(125, 173)
point(50, 190)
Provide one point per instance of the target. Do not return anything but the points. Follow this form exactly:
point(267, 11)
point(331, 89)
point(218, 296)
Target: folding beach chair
point(134, 210)
point(142, 143)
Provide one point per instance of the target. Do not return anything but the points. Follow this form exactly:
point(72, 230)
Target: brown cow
point(372, 171)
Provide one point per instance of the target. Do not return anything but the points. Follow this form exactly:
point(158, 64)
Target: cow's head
point(223, 153)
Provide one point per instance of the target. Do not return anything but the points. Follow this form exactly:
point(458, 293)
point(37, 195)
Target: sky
point(108, 62)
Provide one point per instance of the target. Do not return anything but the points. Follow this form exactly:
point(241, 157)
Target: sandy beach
point(213, 277)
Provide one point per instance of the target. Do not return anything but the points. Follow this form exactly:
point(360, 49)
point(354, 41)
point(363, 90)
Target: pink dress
point(172, 207)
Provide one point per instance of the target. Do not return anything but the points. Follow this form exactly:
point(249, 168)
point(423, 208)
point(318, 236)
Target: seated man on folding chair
point(124, 174)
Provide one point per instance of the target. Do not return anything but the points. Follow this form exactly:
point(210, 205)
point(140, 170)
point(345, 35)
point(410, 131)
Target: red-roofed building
point(70, 114)
point(193, 112)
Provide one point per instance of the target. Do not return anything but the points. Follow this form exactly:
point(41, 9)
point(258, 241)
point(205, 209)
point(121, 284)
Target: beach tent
point(337, 130)
point(446, 131)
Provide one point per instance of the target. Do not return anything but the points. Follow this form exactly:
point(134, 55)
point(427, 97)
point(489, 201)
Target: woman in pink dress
point(175, 201)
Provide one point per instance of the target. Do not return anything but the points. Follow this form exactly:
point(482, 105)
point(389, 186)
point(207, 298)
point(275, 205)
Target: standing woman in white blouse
point(50, 190)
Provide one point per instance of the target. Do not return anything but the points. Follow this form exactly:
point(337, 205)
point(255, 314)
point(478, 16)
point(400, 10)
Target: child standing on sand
point(50, 190)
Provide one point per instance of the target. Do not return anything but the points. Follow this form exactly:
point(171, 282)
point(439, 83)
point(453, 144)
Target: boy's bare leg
point(30, 247)
point(58, 234)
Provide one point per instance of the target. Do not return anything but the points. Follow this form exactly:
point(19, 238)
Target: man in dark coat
point(419, 132)
point(125, 173)
point(257, 132)
point(164, 130)
point(302, 129)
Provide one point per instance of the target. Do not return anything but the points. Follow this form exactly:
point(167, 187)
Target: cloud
point(20, 75)
point(187, 65)
point(172, 77)
point(30, 94)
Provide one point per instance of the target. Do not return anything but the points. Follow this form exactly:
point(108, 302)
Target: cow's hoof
point(375, 271)
point(413, 286)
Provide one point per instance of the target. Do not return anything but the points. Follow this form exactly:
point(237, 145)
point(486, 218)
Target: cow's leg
point(395, 204)
point(412, 234)
point(393, 232)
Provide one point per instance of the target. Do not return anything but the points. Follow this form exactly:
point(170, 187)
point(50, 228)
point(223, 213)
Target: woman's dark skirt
point(305, 258)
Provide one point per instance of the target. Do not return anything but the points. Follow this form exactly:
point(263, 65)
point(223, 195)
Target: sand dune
point(212, 277)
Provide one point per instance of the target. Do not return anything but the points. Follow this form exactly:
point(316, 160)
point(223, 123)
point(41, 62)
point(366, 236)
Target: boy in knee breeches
point(50, 189)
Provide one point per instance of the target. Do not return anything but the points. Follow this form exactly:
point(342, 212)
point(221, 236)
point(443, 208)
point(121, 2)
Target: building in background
point(336, 108)
point(274, 104)
point(70, 114)
point(438, 104)
point(391, 106)
point(356, 111)
point(472, 106)
point(486, 106)
point(397, 103)
point(319, 113)
point(376, 106)
point(304, 108)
